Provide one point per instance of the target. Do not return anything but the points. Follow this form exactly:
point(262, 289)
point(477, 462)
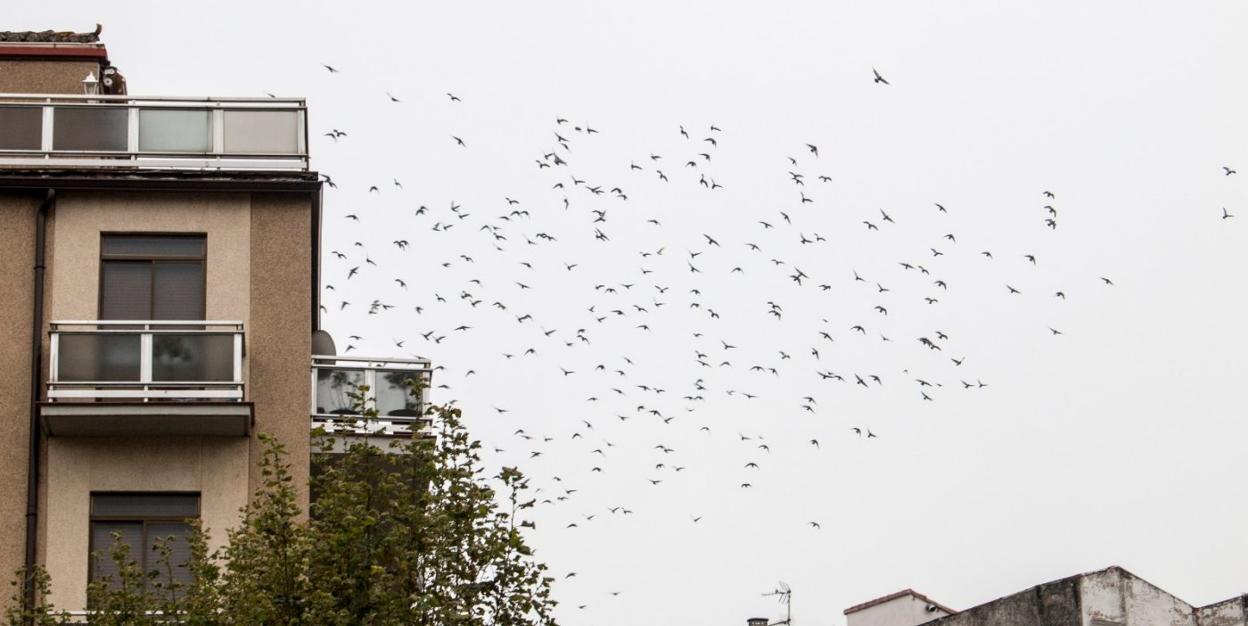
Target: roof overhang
point(54, 52)
point(146, 419)
point(900, 594)
point(161, 180)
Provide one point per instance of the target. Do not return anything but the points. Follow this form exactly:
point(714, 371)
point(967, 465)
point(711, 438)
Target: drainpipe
point(36, 367)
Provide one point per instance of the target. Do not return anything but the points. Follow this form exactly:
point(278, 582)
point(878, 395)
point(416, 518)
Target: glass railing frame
point(146, 389)
point(371, 366)
point(217, 158)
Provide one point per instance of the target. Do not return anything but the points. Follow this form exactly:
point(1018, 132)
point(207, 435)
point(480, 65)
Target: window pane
point(91, 358)
point(174, 536)
point(153, 246)
point(272, 132)
point(126, 290)
point(90, 128)
point(393, 394)
point(332, 389)
point(103, 536)
point(145, 505)
point(187, 358)
point(178, 291)
point(174, 130)
point(21, 128)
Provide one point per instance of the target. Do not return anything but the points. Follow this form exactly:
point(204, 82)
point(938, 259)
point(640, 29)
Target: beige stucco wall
point(262, 238)
point(215, 467)
point(279, 334)
point(23, 76)
point(17, 249)
point(82, 216)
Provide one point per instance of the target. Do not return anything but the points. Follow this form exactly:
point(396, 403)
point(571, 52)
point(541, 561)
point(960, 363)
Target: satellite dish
point(323, 344)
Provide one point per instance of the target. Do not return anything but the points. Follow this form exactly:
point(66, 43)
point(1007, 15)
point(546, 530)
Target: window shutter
point(178, 291)
point(103, 566)
point(126, 290)
point(175, 535)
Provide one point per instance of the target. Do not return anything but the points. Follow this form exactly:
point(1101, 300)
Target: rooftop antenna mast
point(785, 593)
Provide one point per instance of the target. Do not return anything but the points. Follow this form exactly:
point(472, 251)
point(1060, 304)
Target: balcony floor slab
point(146, 419)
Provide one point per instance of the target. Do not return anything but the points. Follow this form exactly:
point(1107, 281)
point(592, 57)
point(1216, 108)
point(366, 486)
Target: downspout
point(36, 367)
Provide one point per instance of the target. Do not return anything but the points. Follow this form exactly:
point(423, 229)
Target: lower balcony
point(344, 388)
point(153, 378)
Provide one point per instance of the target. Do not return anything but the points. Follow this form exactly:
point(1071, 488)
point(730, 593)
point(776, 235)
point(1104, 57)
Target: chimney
point(757, 621)
point(55, 62)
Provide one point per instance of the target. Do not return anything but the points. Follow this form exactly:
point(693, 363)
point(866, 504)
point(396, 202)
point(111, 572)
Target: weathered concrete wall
point(30, 76)
point(17, 250)
point(280, 332)
point(1050, 604)
point(1110, 597)
point(216, 467)
point(1233, 612)
point(1114, 596)
point(904, 611)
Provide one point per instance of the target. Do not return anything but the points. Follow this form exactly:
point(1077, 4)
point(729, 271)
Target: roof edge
point(899, 594)
point(54, 51)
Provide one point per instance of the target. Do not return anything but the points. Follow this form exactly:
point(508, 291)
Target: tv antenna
point(785, 593)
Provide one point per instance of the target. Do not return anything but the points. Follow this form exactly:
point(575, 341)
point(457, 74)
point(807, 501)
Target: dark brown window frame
point(137, 552)
point(202, 259)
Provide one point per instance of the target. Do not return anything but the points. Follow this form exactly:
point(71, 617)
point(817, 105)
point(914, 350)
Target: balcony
point(383, 385)
point(126, 377)
point(212, 134)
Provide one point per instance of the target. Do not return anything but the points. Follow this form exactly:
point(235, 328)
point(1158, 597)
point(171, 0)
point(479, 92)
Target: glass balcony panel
point(21, 128)
point(394, 394)
point(95, 129)
point(333, 389)
point(175, 130)
point(261, 132)
point(192, 358)
point(98, 358)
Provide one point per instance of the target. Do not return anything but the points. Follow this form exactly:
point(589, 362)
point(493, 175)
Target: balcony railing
point(146, 361)
point(38, 131)
point(384, 385)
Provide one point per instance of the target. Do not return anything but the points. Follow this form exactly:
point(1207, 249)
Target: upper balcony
point(343, 387)
point(153, 133)
point(144, 377)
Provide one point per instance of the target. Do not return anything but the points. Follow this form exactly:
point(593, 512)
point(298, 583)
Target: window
point(141, 520)
point(152, 277)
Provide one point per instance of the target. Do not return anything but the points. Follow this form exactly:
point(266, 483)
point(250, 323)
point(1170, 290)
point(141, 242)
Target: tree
point(411, 533)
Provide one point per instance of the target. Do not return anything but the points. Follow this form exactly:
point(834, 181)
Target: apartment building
point(161, 263)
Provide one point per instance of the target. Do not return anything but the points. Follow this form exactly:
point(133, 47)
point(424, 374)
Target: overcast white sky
point(1116, 442)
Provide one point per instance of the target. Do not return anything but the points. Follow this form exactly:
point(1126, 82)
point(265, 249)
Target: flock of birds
point(547, 318)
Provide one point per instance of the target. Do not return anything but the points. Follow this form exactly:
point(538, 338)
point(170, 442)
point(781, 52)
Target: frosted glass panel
point(96, 129)
point(166, 130)
point(21, 128)
point(334, 388)
point(267, 132)
point(98, 358)
point(193, 358)
point(394, 395)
